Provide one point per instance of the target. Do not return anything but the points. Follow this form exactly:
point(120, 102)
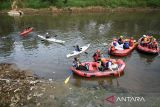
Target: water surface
point(48, 60)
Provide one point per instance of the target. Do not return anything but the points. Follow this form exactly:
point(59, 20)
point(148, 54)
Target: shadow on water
point(108, 83)
point(148, 58)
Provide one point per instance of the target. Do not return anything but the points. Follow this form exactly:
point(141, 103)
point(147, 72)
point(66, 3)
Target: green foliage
point(59, 3)
point(36, 4)
point(5, 4)
point(153, 3)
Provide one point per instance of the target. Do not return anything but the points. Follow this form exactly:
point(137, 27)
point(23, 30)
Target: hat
point(121, 36)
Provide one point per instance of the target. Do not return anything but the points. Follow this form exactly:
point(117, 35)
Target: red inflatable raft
point(93, 70)
point(146, 49)
point(24, 32)
point(124, 52)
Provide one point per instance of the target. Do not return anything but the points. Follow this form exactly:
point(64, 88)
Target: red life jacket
point(96, 56)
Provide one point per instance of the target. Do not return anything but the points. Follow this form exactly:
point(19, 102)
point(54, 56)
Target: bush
point(36, 4)
point(5, 5)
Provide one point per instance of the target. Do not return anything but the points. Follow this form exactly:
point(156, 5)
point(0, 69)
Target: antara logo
point(112, 99)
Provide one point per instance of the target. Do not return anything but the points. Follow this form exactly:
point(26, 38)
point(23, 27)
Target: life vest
point(114, 43)
point(108, 64)
point(131, 42)
point(112, 48)
point(96, 56)
point(126, 45)
point(120, 41)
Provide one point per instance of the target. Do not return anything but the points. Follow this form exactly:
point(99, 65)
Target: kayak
point(146, 49)
point(51, 39)
point(83, 49)
point(122, 52)
point(25, 32)
point(93, 70)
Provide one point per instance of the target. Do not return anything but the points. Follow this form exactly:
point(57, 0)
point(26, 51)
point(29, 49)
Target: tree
point(65, 1)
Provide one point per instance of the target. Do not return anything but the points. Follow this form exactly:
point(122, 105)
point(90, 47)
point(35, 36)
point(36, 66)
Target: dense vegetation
point(6, 4)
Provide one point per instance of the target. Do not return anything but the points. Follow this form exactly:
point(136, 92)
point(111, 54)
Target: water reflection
point(6, 46)
point(100, 81)
point(147, 58)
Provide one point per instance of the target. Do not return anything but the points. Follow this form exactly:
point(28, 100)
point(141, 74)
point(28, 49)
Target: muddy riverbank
point(20, 88)
point(94, 9)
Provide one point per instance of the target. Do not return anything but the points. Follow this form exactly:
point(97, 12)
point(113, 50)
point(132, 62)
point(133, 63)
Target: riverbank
point(21, 88)
point(98, 9)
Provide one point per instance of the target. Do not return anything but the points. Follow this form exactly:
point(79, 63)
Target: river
point(48, 60)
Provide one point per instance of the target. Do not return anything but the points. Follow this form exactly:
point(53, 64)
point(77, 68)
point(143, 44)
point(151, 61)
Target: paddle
point(67, 79)
point(86, 52)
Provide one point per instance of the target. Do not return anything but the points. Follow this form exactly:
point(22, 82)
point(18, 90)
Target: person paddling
point(78, 65)
point(77, 48)
point(47, 35)
point(126, 44)
point(97, 55)
point(131, 41)
point(76, 62)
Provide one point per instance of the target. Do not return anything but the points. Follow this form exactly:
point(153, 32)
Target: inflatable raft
point(93, 70)
point(146, 49)
point(124, 52)
point(25, 32)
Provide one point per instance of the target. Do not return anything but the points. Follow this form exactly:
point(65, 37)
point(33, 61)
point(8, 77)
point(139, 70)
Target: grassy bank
point(6, 4)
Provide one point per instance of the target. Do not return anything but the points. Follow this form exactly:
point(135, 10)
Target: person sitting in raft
point(120, 40)
point(114, 43)
point(77, 48)
point(150, 42)
point(77, 64)
point(154, 44)
point(131, 41)
point(126, 44)
point(145, 40)
point(97, 56)
point(112, 48)
point(107, 63)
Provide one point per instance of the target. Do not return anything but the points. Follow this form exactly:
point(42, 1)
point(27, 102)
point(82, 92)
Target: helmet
point(144, 36)
point(98, 50)
point(154, 39)
point(126, 40)
point(114, 39)
point(103, 59)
